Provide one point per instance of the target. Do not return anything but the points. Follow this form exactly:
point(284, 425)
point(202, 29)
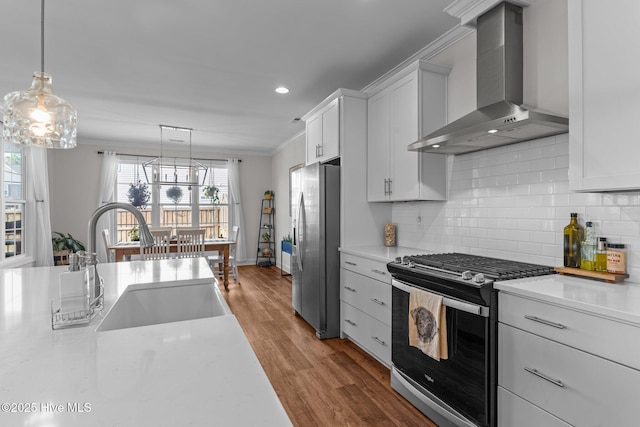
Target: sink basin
point(152, 304)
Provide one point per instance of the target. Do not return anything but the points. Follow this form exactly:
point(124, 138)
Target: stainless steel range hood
point(500, 119)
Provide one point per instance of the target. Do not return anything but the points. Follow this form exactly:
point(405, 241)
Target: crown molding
point(440, 44)
point(469, 10)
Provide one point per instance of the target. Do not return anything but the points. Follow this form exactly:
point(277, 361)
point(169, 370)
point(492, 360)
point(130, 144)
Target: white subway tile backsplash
point(513, 202)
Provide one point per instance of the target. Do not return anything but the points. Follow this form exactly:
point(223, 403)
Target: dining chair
point(190, 242)
point(219, 258)
point(160, 249)
point(111, 254)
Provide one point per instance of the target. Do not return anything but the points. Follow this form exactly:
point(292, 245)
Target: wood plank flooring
point(320, 382)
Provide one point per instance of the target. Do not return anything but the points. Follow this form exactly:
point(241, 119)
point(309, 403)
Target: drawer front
point(577, 387)
point(604, 337)
point(370, 334)
point(514, 411)
point(370, 296)
point(373, 269)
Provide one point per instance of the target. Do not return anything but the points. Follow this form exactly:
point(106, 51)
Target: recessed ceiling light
point(282, 90)
point(493, 131)
point(435, 146)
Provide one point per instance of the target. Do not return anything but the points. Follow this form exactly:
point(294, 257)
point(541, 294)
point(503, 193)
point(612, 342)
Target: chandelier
point(37, 116)
point(174, 171)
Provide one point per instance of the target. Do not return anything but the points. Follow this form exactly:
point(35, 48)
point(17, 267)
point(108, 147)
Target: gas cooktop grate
point(495, 268)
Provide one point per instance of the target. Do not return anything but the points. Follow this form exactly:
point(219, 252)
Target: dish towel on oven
point(428, 323)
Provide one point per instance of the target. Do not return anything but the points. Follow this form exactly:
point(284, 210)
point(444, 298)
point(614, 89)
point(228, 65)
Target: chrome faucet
point(146, 239)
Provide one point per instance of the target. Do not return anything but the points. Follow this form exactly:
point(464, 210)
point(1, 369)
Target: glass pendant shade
point(38, 117)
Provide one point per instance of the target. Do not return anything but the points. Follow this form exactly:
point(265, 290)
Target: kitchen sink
point(152, 304)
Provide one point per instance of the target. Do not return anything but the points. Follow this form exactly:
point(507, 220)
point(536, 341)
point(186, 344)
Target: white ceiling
point(211, 65)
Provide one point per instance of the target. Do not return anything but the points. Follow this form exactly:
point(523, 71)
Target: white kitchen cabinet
point(323, 131)
point(403, 109)
point(554, 364)
point(603, 95)
point(326, 125)
point(365, 305)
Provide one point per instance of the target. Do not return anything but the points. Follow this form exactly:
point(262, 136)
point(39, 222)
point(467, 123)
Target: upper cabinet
point(603, 95)
point(409, 105)
point(323, 126)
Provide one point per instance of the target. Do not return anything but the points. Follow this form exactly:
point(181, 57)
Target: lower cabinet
point(541, 377)
point(365, 305)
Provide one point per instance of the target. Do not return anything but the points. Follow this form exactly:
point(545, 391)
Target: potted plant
point(175, 194)
point(139, 195)
point(134, 234)
point(286, 244)
point(212, 192)
point(63, 246)
point(269, 195)
point(266, 237)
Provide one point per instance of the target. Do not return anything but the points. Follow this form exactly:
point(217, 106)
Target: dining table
point(124, 250)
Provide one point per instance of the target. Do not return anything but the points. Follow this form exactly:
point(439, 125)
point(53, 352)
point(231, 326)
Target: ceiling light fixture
point(492, 131)
point(36, 116)
point(282, 90)
point(177, 173)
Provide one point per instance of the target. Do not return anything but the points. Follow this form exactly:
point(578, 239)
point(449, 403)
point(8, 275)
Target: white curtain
point(38, 218)
point(236, 216)
point(106, 194)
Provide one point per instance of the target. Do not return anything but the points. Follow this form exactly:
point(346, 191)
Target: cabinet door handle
point(390, 181)
point(545, 322)
point(320, 150)
point(544, 377)
point(350, 263)
point(377, 301)
point(350, 289)
point(378, 271)
point(350, 322)
point(378, 340)
point(386, 181)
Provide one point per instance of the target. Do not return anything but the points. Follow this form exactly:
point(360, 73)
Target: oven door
point(460, 385)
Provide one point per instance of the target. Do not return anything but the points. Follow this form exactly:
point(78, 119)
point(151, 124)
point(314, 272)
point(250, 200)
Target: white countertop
point(381, 253)
point(619, 301)
point(197, 372)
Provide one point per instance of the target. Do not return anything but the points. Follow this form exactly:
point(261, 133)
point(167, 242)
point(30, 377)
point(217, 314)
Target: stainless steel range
point(461, 390)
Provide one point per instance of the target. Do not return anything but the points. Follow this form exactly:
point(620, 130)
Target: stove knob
point(478, 278)
point(411, 264)
point(398, 260)
point(466, 275)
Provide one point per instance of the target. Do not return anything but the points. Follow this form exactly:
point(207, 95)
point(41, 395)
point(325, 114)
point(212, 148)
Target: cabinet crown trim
point(417, 65)
point(329, 99)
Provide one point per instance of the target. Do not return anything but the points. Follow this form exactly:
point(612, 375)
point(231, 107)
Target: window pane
point(12, 172)
point(176, 202)
point(13, 230)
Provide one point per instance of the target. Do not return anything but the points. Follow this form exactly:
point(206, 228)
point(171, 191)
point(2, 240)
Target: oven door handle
point(467, 307)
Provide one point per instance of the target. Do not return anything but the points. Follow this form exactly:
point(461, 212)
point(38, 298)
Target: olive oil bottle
point(588, 248)
point(573, 236)
point(601, 254)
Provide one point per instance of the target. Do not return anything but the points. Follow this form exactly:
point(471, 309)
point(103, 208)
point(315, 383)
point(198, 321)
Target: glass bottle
point(601, 254)
point(588, 248)
point(573, 235)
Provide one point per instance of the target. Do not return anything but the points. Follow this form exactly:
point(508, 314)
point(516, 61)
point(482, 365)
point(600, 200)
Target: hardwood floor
point(320, 382)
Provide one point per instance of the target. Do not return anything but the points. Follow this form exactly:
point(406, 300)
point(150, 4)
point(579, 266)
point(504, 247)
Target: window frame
point(23, 257)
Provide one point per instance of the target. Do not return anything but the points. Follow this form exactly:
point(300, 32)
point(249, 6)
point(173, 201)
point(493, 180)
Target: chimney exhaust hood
point(500, 118)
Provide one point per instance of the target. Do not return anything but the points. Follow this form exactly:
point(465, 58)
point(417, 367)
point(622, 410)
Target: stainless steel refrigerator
point(315, 259)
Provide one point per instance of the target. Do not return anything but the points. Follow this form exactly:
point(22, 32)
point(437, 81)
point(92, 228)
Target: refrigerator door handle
point(301, 231)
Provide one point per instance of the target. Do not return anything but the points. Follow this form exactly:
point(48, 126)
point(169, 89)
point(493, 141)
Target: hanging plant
point(175, 194)
point(212, 192)
point(139, 195)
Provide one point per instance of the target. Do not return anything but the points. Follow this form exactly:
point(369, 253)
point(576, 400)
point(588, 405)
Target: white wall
point(293, 153)
point(73, 185)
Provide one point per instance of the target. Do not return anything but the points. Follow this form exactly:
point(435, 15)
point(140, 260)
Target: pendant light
point(36, 116)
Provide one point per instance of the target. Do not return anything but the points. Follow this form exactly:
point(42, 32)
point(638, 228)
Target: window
point(13, 203)
point(175, 205)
